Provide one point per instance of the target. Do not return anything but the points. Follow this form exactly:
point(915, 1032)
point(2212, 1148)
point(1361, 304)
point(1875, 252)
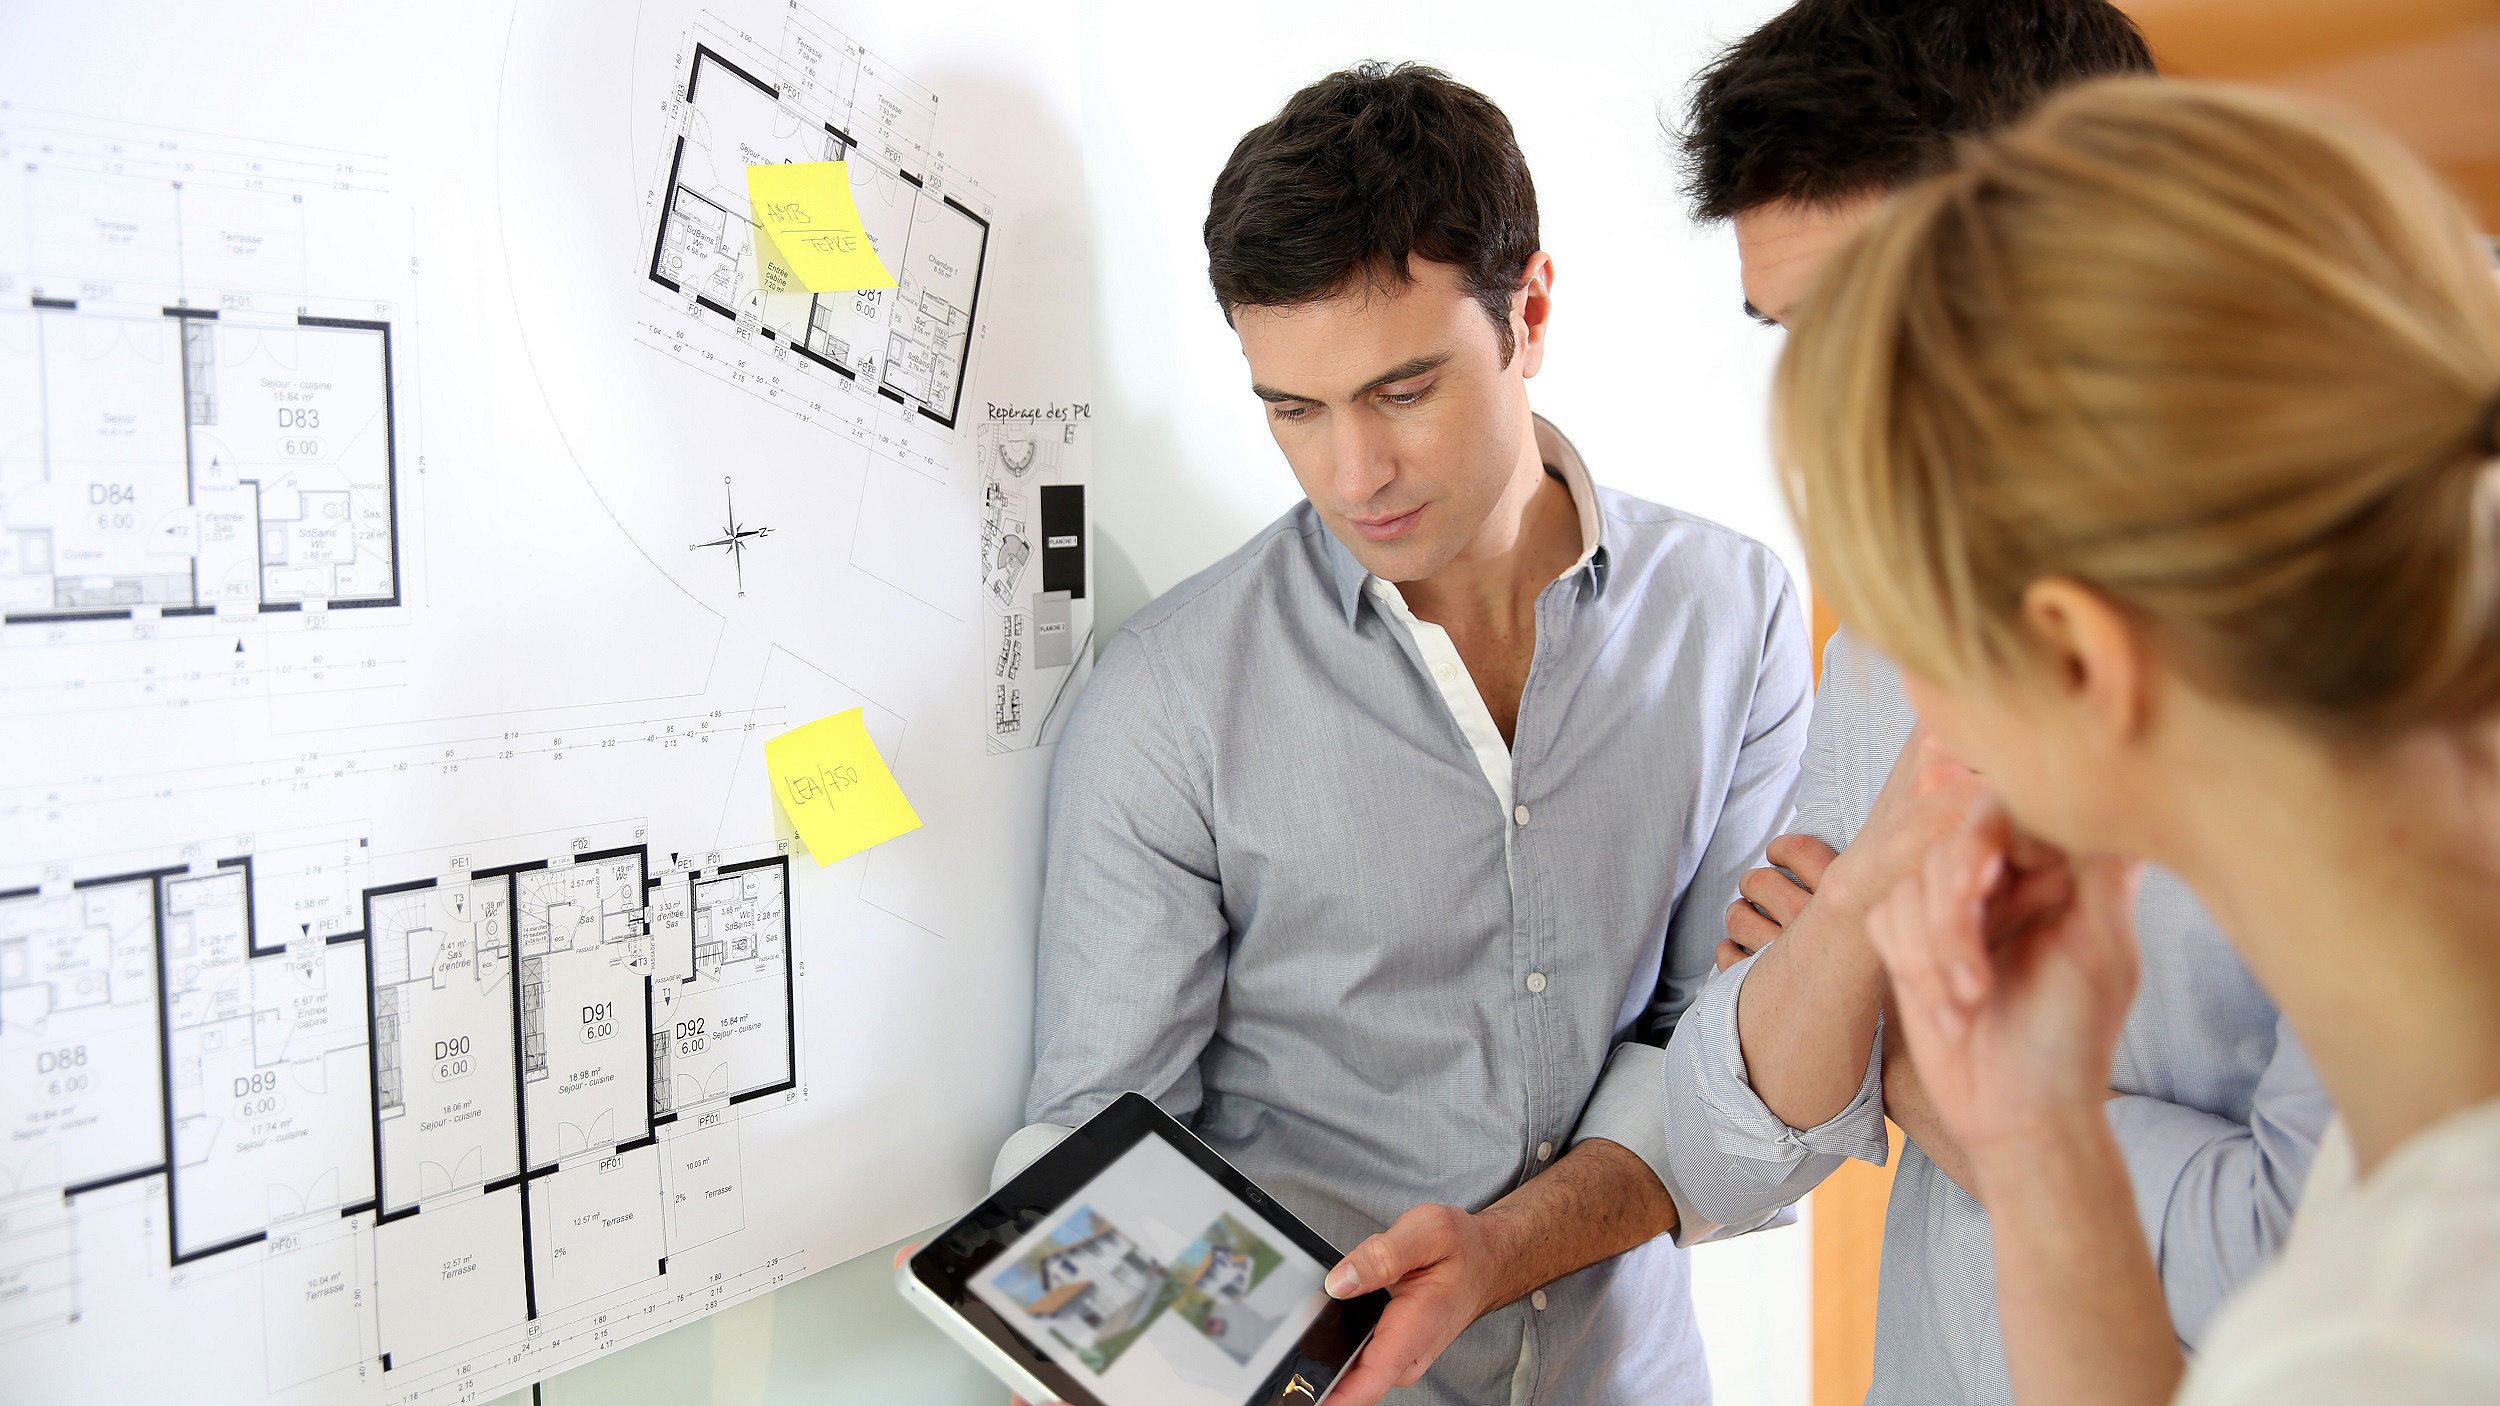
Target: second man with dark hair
point(1783, 1068)
point(1387, 852)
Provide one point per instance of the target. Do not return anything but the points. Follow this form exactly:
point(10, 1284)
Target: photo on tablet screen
point(1088, 1286)
point(1213, 1280)
point(1154, 1286)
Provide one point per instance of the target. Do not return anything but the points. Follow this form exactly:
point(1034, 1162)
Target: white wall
point(1654, 372)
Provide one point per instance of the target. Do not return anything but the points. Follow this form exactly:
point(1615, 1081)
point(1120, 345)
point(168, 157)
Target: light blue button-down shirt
point(1283, 901)
point(2219, 1117)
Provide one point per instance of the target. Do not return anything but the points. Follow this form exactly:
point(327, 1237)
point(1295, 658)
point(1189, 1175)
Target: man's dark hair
point(1837, 98)
point(1362, 171)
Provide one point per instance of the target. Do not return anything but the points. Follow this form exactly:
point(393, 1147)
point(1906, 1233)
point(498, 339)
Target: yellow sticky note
point(835, 787)
point(804, 213)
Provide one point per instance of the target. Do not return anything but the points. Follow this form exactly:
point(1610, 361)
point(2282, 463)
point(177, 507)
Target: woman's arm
point(2012, 972)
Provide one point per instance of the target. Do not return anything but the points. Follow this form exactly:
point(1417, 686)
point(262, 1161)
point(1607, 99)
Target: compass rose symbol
point(735, 538)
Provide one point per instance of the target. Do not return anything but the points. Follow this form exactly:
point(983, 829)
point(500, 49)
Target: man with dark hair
point(1784, 1067)
point(1386, 851)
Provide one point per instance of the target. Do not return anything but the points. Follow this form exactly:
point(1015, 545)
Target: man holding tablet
point(1385, 853)
point(1132, 1266)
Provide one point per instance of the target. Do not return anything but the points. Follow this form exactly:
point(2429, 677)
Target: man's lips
point(1386, 529)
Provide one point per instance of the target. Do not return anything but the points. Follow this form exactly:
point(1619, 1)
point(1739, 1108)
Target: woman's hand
point(2012, 968)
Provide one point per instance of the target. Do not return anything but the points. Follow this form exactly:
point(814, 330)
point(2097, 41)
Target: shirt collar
point(1348, 576)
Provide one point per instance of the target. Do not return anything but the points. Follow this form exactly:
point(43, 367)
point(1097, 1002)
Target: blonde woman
point(2160, 444)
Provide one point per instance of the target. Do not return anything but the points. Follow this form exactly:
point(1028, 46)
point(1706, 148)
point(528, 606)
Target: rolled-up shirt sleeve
point(1735, 1160)
point(2216, 1197)
point(1130, 966)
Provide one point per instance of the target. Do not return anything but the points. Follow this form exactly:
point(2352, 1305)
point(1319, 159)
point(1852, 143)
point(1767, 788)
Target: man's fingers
point(1364, 1383)
point(1729, 954)
point(1420, 1321)
point(1804, 856)
point(1780, 897)
point(1423, 1236)
point(1367, 1267)
point(1748, 929)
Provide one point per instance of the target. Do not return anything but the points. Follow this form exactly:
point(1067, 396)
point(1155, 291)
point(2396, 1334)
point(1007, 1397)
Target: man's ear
point(1531, 313)
point(2098, 658)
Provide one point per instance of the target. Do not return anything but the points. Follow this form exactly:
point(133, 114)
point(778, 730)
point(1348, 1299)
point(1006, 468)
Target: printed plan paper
point(414, 519)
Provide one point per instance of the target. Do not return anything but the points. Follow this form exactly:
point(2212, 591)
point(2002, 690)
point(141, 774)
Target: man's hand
point(1773, 895)
point(1444, 1268)
point(1437, 1264)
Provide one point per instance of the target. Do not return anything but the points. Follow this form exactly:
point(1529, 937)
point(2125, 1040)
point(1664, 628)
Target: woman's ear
point(2098, 659)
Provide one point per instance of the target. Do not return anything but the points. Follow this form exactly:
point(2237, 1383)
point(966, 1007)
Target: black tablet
point(1132, 1266)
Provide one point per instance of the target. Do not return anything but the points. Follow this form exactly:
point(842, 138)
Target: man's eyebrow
point(1759, 315)
point(1404, 370)
point(1413, 366)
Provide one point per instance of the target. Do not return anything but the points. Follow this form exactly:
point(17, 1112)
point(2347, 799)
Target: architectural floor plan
point(913, 342)
point(413, 527)
point(180, 430)
point(470, 1112)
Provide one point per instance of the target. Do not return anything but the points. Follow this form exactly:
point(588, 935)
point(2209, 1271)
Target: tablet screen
point(1154, 1286)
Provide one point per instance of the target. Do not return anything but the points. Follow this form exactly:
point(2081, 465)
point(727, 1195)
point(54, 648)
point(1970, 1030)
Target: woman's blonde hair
point(2224, 360)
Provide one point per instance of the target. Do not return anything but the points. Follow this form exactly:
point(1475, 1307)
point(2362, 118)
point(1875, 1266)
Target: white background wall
point(1654, 372)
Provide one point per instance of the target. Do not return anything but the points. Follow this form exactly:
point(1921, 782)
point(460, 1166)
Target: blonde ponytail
point(2231, 362)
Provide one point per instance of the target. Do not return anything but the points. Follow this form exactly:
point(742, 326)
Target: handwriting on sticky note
point(835, 787)
point(809, 235)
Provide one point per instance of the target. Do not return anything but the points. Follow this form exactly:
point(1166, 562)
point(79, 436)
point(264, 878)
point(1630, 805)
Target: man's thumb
point(1372, 1264)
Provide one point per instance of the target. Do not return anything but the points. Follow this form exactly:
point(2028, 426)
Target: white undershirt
point(1448, 671)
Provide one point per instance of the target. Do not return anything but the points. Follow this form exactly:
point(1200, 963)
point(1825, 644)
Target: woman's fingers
point(2106, 895)
point(1961, 874)
point(1901, 931)
point(2028, 897)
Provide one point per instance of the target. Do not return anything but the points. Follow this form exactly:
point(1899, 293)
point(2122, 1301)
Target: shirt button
point(1519, 814)
point(1544, 1151)
point(1536, 983)
point(1537, 1300)
point(1445, 673)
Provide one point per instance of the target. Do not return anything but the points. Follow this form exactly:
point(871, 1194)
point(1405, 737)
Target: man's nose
point(1366, 459)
